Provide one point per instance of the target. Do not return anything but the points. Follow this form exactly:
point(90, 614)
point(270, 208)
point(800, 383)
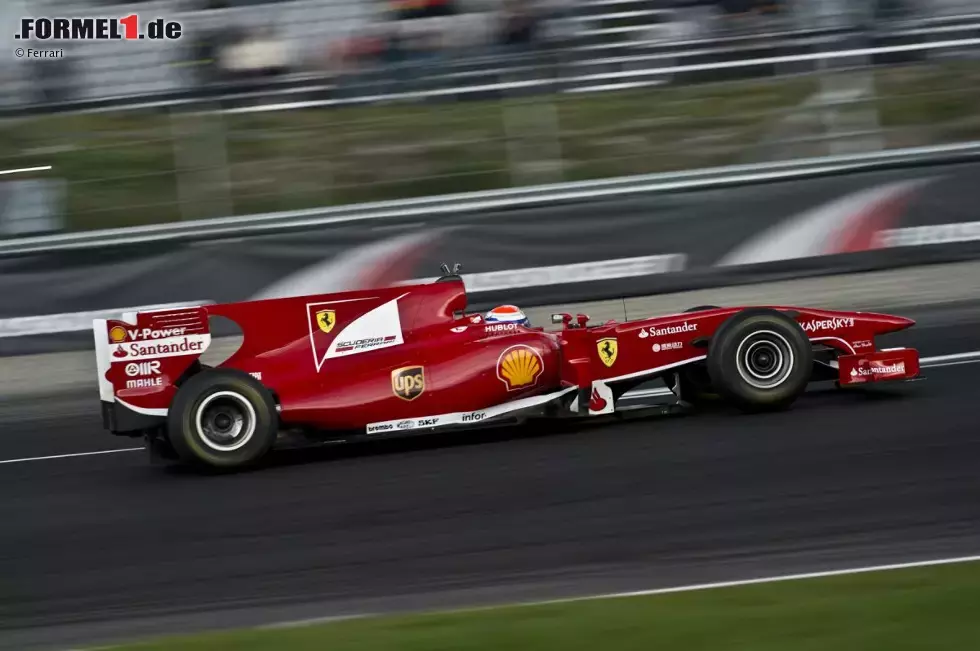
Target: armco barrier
point(628, 245)
point(494, 200)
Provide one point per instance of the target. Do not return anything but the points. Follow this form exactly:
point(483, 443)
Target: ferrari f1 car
point(411, 359)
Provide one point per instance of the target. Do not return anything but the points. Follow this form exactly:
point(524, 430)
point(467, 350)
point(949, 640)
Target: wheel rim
point(764, 359)
point(225, 421)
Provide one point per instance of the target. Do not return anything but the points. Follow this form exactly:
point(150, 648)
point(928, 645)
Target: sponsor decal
point(500, 328)
point(597, 402)
point(150, 333)
point(476, 319)
point(601, 401)
point(827, 324)
point(176, 346)
point(608, 350)
point(408, 382)
point(474, 417)
point(376, 328)
point(672, 345)
point(256, 375)
point(380, 427)
point(364, 344)
point(458, 329)
point(668, 330)
point(519, 367)
point(886, 369)
point(428, 422)
point(406, 424)
point(863, 344)
point(119, 334)
point(924, 235)
point(144, 383)
point(326, 320)
point(142, 368)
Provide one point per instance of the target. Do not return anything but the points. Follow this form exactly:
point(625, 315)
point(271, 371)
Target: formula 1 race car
point(409, 359)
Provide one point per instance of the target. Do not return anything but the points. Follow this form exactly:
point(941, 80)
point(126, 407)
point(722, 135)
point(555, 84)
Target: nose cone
point(890, 323)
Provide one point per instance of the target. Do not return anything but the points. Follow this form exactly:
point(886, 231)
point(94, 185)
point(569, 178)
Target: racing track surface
point(97, 546)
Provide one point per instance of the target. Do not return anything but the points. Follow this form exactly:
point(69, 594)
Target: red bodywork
point(410, 357)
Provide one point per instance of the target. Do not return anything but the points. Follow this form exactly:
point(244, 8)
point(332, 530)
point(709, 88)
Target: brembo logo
point(669, 330)
point(827, 324)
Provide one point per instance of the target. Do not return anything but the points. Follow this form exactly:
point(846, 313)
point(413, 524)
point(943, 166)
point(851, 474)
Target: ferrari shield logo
point(326, 319)
point(608, 350)
point(408, 383)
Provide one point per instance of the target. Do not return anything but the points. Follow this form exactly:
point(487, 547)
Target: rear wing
point(140, 359)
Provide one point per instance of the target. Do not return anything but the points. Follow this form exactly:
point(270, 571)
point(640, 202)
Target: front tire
point(222, 418)
point(760, 360)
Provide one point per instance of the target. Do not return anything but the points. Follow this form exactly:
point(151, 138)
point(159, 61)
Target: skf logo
point(608, 350)
point(117, 334)
point(326, 320)
point(519, 367)
point(408, 383)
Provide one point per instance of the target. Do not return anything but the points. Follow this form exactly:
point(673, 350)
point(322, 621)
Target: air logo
point(408, 383)
point(134, 369)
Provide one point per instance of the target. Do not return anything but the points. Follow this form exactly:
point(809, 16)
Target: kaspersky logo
point(123, 28)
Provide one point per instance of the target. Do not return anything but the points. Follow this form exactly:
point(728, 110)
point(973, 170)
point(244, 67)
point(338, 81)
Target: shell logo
point(117, 334)
point(519, 367)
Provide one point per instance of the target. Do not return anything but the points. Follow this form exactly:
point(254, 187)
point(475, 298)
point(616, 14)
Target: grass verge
point(920, 608)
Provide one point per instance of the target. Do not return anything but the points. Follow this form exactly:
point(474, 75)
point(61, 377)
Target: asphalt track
point(95, 548)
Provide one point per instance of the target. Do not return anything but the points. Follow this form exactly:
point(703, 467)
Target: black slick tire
point(223, 419)
point(760, 360)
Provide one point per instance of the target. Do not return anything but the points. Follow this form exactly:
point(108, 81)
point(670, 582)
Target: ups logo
point(408, 383)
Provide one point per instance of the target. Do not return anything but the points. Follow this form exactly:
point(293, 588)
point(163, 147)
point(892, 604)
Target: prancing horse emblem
point(326, 319)
point(608, 350)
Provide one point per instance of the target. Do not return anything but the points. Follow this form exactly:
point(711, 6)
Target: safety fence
point(133, 168)
point(833, 219)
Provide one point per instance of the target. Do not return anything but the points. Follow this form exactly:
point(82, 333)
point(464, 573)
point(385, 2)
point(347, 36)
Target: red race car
point(410, 359)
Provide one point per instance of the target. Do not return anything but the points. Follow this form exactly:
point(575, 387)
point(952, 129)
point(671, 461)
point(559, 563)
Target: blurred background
point(267, 105)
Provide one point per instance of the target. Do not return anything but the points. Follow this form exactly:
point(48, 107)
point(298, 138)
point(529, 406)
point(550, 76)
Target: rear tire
point(222, 418)
point(760, 359)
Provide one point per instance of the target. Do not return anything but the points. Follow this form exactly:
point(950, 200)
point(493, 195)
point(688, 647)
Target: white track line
point(925, 362)
point(771, 579)
point(66, 456)
point(663, 591)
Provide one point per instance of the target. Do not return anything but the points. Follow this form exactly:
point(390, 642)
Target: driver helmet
point(508, 314)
